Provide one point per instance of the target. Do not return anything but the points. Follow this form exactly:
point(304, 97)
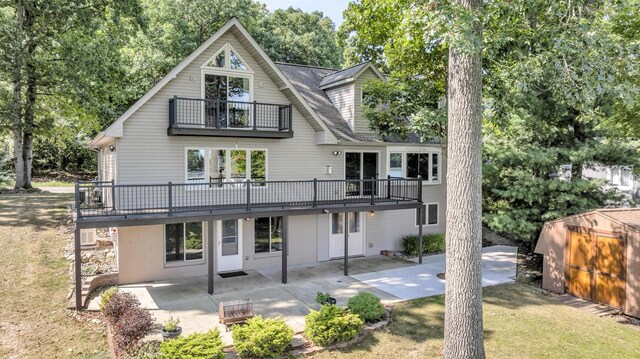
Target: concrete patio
point(392, 279)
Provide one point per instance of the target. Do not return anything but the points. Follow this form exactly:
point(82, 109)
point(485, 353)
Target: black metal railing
point(104, 199)
point(220, 114)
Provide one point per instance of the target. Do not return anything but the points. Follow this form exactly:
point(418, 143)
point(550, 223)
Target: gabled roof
point(307, 81)
point(348, 75)
point(116, 129)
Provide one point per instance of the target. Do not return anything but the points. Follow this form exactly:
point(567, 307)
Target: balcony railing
point(105, 199)
point(218, 116)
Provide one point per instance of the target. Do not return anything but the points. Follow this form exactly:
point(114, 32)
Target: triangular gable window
point(236, 63)
point(227, 58)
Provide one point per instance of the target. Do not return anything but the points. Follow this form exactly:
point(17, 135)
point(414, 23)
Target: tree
point(560, 82)
point(44, 40)
point(295, 36)
point(463, 336)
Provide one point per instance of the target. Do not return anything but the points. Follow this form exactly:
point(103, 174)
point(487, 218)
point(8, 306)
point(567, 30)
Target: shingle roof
point(628, 216)
point(307, 80)
point(341, 75)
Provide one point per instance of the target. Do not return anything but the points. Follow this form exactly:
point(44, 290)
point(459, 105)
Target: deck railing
point(104, 199)
point(220, 114)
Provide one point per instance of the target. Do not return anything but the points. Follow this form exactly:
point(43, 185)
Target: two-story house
point(234, 162)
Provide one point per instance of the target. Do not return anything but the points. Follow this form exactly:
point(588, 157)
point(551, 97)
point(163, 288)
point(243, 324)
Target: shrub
point(118, 304)
point(331, 324)
point(147, 350)
point(262, 338)
point(198, 345)
point(431, 243)
point(367, 306)
point(132, 325)
point(435, 243)
point(106, 296)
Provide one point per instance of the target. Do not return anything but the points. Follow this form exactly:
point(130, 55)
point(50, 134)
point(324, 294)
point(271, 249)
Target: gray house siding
point(153, 157)
point(361, 123)
point(342, 97)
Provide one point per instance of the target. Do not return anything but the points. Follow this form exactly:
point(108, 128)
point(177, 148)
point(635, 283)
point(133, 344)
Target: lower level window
point(268, 235)
point(430, 216)
point(183, 242)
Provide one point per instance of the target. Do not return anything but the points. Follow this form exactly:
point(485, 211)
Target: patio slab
point(498, 266)
point(187, 299)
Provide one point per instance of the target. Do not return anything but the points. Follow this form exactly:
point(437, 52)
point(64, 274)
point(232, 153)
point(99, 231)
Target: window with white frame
point(227, 83)
point(430, 216)
point(412, 164)
point(268, 235)
point(621, 176)
point(183, 242)
point(219, 165)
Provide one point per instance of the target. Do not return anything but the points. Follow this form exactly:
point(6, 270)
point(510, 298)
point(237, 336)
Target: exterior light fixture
point(112, 148)
point(372, 213)
point(337, 153)
point(325, 211)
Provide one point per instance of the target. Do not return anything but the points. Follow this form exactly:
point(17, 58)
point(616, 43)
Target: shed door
point(596, 268)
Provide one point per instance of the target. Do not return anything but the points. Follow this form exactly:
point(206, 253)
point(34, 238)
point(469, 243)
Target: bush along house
point(234, 162)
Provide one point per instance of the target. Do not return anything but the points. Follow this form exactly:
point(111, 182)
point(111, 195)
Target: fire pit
point(235, 311)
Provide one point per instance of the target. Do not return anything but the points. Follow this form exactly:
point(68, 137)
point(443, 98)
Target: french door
point(361, 166)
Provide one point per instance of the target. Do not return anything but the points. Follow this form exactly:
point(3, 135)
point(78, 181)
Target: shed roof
point(628, 216)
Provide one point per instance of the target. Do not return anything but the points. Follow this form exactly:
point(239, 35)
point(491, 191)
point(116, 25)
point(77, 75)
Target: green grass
point(53, 184)
point(34, 322)
point(518, 323)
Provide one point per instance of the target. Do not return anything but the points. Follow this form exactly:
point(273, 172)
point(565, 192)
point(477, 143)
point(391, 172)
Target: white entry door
point(229, 245)
point(336, 234)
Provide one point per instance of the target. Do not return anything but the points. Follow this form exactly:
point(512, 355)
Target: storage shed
point(594, 256)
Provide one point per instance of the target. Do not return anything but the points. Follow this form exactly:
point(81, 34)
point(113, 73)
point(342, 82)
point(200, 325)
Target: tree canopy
point(560, 81)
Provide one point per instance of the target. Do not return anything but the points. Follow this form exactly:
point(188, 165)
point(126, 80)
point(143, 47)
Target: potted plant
point(171, 329)
point(325, 299)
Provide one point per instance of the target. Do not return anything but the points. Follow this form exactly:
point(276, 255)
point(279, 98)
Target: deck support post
point(211, 255)
point(78, 268)
point(346, 243)
point(285, 247)
point(420, 209)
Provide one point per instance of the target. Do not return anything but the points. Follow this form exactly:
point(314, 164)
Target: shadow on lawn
point(40, 210)
point(421, 320)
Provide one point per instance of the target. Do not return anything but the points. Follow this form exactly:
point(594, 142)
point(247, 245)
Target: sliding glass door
point(361, 166)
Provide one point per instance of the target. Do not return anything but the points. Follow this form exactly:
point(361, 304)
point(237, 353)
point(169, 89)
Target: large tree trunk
point(30, 101)
point(16, 109)
point(463, 297)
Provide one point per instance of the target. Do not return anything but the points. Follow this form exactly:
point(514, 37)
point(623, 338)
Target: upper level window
point(226, 58)
point(425, 165)
point(218, 165)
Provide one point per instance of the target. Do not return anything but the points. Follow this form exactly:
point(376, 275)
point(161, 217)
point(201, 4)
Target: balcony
point(218, 118)
point(102, 202)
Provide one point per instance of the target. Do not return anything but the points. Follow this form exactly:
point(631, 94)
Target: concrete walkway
point(498, 266)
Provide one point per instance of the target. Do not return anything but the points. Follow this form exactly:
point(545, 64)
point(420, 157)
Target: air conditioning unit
point(88, 237)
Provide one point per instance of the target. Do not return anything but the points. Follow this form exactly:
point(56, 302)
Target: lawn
point(53, 184)
point(519, 322)
point(34, 322)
